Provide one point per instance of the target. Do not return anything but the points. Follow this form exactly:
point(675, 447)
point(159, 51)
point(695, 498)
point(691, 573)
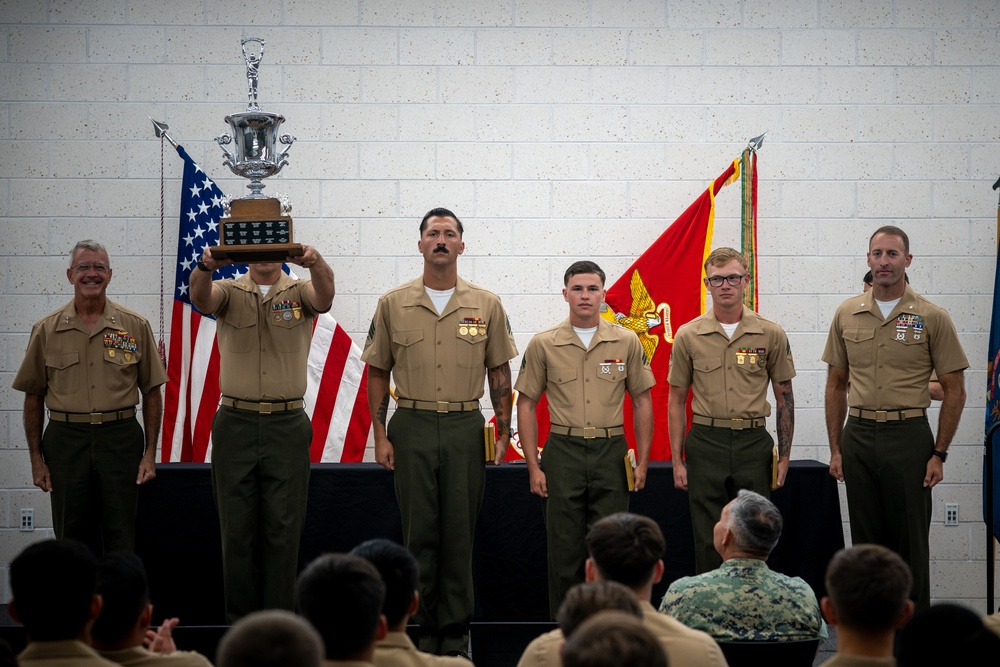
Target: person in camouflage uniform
point(743, 600)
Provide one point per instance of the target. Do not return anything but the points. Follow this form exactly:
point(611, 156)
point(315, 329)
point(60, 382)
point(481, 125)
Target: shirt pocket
point(287, 338)
point(121, 369)
point(859, 343)
point(752, 376)
point(561, 386)
point(406, 352)
point(709, 378)
point(240, 329)
point(62, 373)
point(471, 350)
point(611, 386)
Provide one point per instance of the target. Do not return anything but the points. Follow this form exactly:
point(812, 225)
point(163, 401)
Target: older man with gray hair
point(743, 600)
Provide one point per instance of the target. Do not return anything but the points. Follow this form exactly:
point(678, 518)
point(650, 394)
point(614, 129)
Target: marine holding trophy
point(261, 433)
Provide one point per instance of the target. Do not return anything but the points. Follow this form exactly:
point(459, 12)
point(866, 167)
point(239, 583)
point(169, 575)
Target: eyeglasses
point(733, 280)
point(84, 268)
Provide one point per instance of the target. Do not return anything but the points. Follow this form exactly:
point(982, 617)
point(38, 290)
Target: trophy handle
point(230, 160)
point(286, 139)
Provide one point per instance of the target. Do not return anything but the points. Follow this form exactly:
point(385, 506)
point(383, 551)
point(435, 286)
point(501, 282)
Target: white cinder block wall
point(557, 129)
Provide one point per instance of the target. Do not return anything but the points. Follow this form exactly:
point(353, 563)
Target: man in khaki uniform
point(88, 362)
point(440, 337)
point(261, 432)
point(584, 366)
point(727, 357)
point(886, 343)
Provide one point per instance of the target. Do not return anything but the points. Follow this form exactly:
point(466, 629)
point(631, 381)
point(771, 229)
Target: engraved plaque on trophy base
point(256, 231)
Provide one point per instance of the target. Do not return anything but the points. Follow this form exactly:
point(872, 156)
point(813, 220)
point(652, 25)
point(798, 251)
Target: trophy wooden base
point(254, 232)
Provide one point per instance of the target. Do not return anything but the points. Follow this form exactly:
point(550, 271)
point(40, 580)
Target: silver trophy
point(257, 228)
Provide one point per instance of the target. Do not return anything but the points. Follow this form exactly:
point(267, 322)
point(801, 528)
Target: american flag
point(336, 396)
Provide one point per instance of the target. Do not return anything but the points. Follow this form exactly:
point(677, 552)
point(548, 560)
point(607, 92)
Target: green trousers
point(720, 462)
point(439, 480)
point(884, 468)
point(93, 471)
point(586, 481)
point(260, 479)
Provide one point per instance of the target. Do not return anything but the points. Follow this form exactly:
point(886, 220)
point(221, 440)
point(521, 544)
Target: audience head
point(626, 548)
point(54, 586)
point(867, 281)
point(124, 589)
point(946, 634)
point(610, 639)
point(749, 526)
point(272, 638)
point(400, 573)
point(584, 600)
point(868, 588)
point(342, 596)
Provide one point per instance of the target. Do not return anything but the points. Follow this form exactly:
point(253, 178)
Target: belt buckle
point(881, 415)
point(737, 424)
point(442, 407)
point(264, 408)
point(589, 432)
point(96, 418)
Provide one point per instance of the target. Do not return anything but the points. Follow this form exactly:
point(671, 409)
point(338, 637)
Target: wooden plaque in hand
point(256, 231)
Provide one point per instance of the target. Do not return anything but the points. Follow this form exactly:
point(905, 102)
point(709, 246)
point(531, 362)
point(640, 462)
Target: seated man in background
point(581, 602)
point(54, 587)
point(868, 590)
point(401, 574)
point(342, 596)
point(743, 600)
point(612, 639)
point(271, 638)
point(126, 617)
point(966, 639)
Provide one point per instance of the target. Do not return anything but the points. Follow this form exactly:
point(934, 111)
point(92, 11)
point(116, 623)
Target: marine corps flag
point(662, 290)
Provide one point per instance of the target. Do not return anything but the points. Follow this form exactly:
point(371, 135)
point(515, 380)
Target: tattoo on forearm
point(786, 419)
point(503, 426)
point(383, 409)
point(499, 385)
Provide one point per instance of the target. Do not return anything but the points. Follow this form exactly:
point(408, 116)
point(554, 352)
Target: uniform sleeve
point(781, 366)
point(947, 354)
point(31, 377)
point(378, 345)
point(640, 375)
point(500, 347)
point(151, 373)
point(681, 372)
point(227, 289)
point(835, 352)
point(531, 378)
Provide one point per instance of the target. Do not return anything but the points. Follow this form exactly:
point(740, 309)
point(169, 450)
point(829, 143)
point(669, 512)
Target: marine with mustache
point(88, 362)
point(440, 337)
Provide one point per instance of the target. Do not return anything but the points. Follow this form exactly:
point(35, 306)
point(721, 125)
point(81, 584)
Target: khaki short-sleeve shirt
point(890, 359)
point(79, 370)
point(585, 387)
point(729, 377)
point(439, 357)
point(263, 340)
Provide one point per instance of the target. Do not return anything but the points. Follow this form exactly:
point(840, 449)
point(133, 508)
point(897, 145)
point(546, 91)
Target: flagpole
point(988, 481)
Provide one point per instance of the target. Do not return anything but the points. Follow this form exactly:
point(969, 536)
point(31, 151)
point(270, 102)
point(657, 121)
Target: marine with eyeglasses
point(88, 362)
point(726, 359)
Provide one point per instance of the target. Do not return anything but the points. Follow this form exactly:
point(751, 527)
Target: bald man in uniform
point(584, 366)
point(88, 362)
point(885, 344)
point(261, 432)
point(440, 337)
point(727, 358)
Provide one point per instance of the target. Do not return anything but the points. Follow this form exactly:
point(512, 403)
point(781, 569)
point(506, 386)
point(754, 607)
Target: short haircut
point(943, 634)
point(271, 638)
point(399, 571)
point(122, 582)
point(724, 255)
point(867, 280)
point(611, 639)
point(868, 586)
point(441, 213)
point(88, 244)
point(581, 267)
point(755, 523)
point(891, 230)
point(342, 596)
point(53, 585)
point(584, 600)
point(626, 547)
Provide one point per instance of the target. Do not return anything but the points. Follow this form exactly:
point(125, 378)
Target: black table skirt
point(178, 533)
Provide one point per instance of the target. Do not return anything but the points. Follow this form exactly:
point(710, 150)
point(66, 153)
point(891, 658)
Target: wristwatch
point(941, 455)
point(203, 266)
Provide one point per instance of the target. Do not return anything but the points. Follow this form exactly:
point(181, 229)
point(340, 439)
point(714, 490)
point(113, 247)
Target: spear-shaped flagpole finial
point(758, 141)
point(996, 186)
point(161, 131)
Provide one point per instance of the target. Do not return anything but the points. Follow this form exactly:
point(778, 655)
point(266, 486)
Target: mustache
point(441, 248)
